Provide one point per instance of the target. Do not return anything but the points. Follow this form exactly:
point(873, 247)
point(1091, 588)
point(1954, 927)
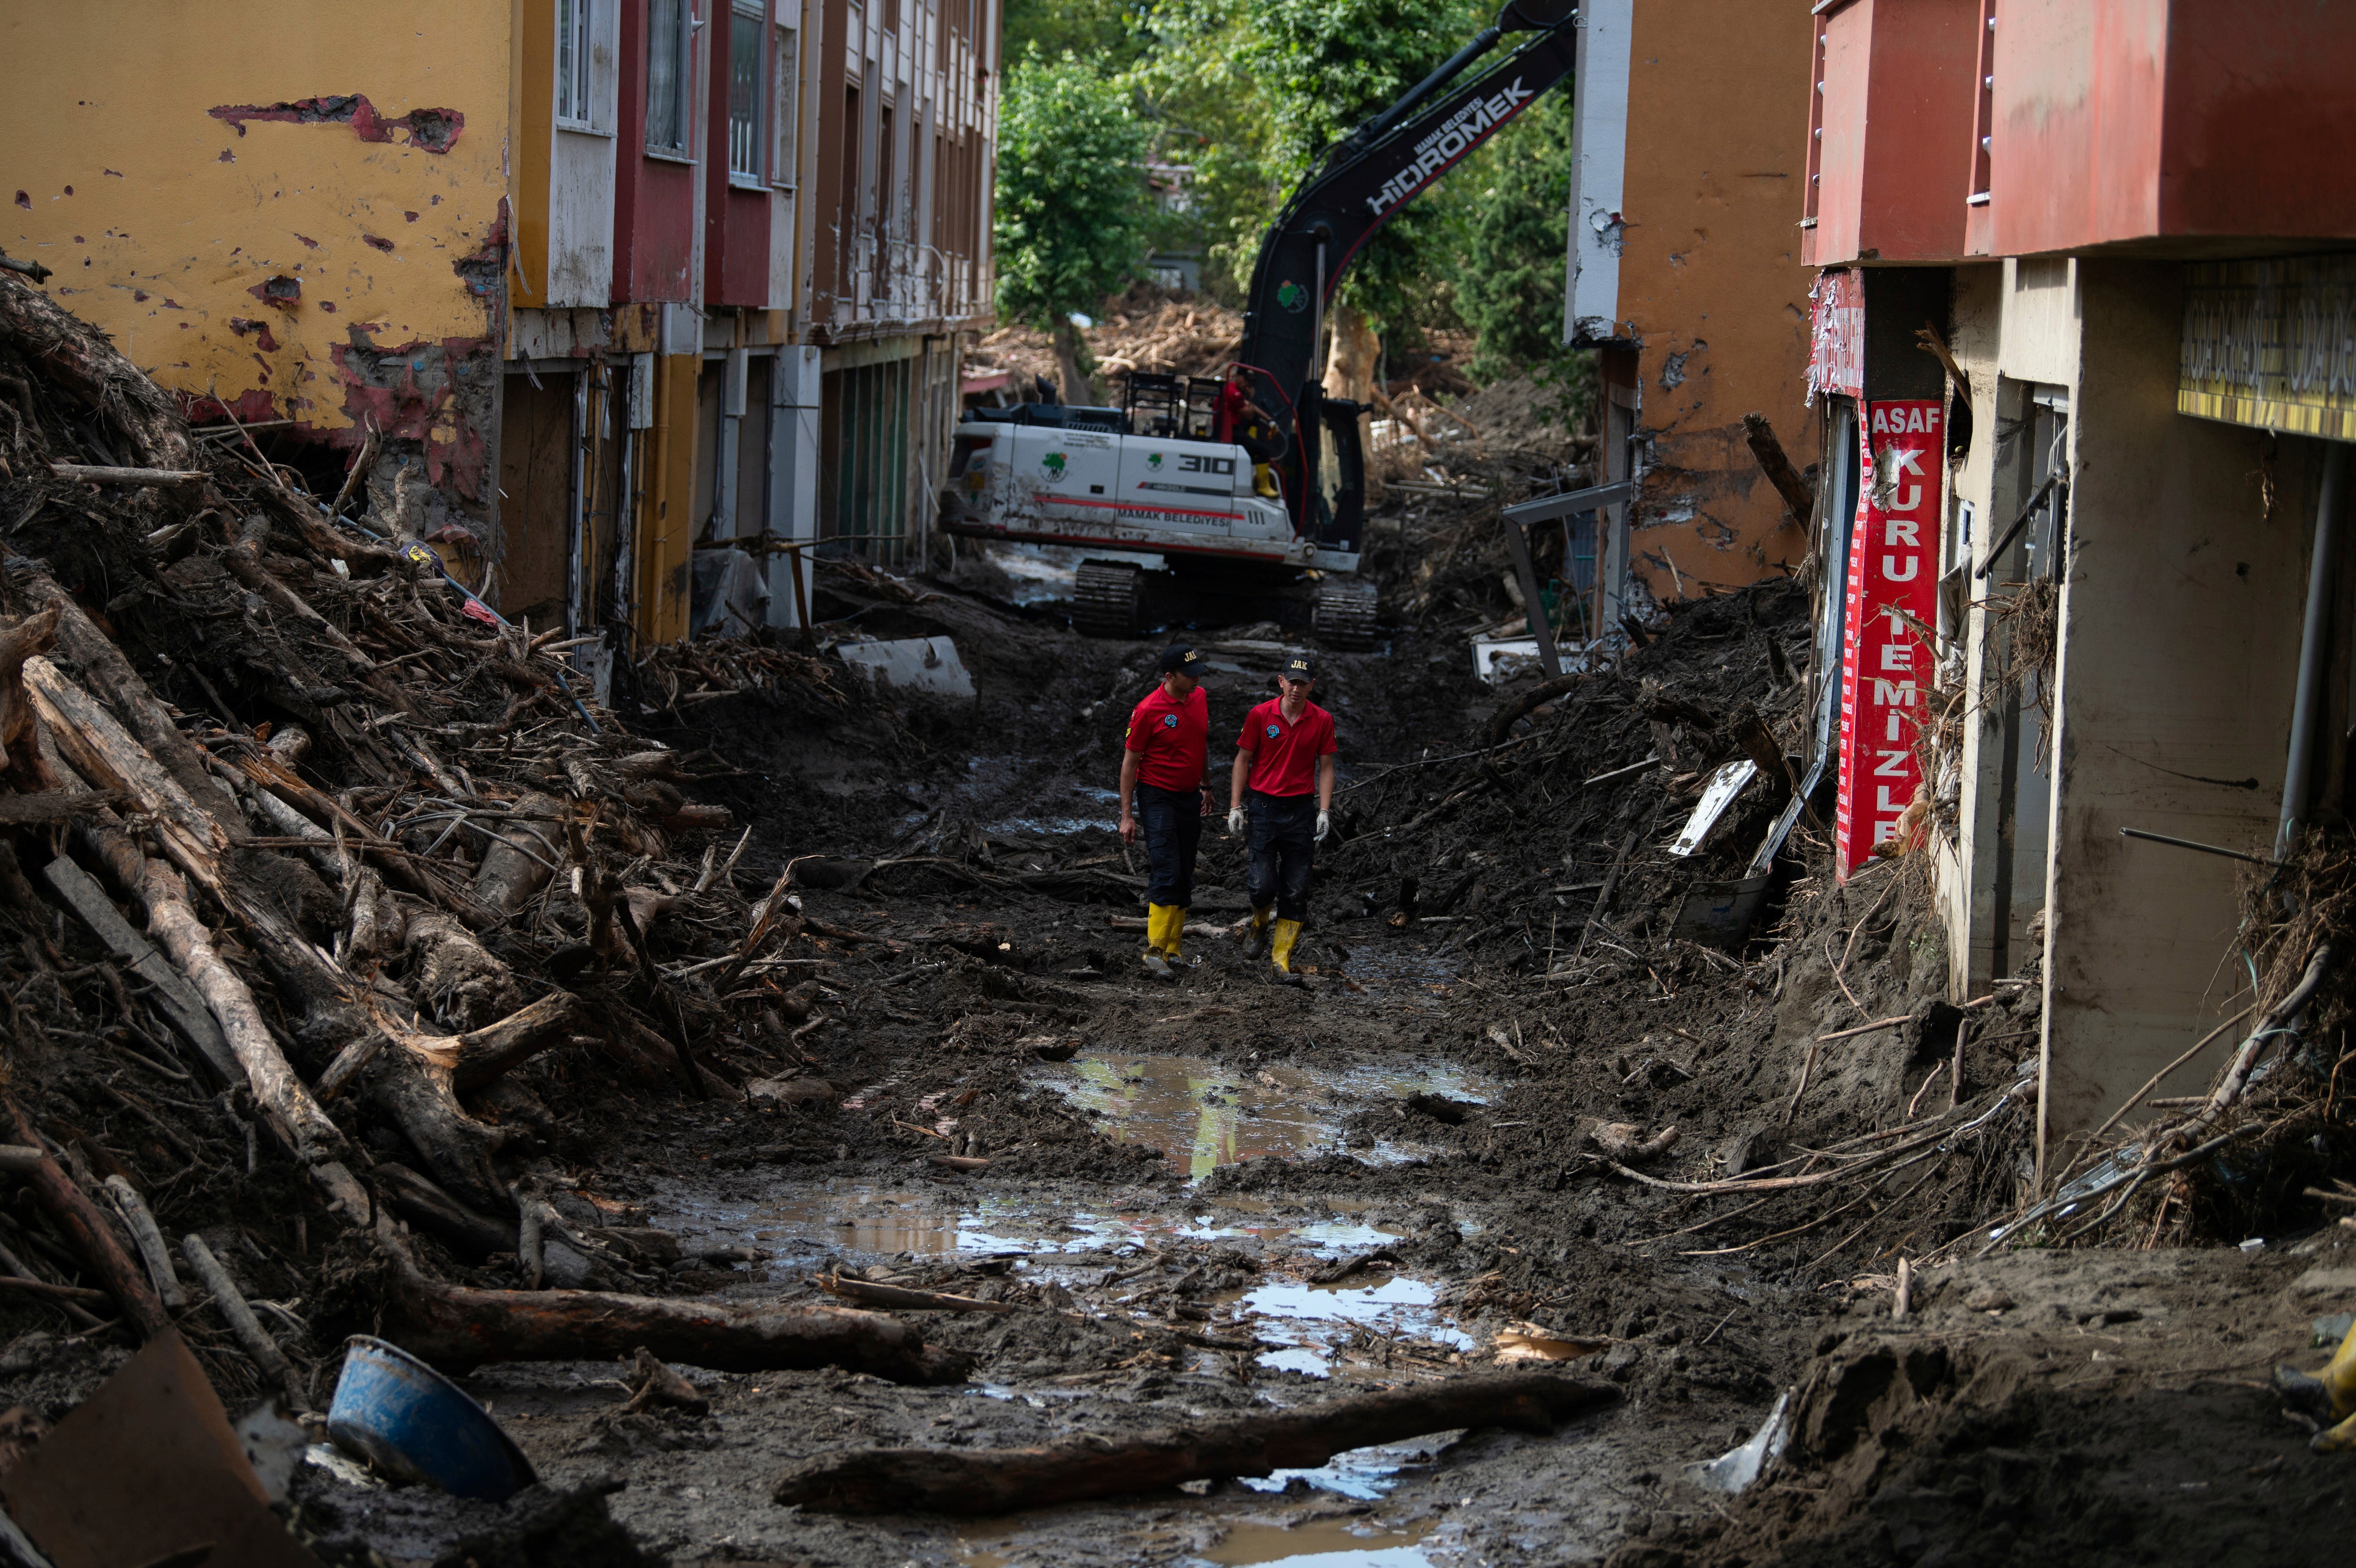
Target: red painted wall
point(654, 199)
point(2147, 119)
point(2261, 130)
point(1898, 85)
point(735, 218)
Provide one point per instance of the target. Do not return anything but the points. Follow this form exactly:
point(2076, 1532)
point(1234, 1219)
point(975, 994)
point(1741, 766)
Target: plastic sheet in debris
point(1724, 785)
point(1736, 1469)
point(912, 664)
point(1496, 660)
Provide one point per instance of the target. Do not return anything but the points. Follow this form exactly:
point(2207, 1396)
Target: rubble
point(745, 1077)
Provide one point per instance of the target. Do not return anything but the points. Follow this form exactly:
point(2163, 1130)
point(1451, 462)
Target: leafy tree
point(1109, 35)
point(1515, 198)
point(1071, 207)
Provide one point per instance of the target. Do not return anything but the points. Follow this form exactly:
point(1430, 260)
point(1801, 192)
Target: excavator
point(1269, 525)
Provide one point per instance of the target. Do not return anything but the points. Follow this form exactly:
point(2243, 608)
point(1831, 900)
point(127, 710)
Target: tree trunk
point(457, 1328)
point(77, 356)
point(1350, 367)
point(1074, 364)
point(933, 1480)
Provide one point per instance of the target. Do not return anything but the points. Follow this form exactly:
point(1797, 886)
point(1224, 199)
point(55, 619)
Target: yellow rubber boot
point(1159, 920)
point(2329, 1396)
point(1174, 931)
point(2334, 1439)
point(1287, 932)
point(1256, 939)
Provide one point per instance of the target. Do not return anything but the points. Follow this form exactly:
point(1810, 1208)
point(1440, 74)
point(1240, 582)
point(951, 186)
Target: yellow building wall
point(666, 527)
point(1710, 278)
point(288, 211)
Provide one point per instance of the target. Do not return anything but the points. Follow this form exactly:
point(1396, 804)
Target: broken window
point(669, 41)
point(573, 63)
point(789, 68)
point(745, 84)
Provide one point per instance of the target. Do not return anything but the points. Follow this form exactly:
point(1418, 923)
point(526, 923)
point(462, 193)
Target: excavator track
point(1343, 613)
point(1106, 598)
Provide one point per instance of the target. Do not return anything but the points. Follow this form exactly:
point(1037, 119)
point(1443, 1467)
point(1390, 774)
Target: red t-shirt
point(1169, 739)
point(1284, 755)
point(1235, 406)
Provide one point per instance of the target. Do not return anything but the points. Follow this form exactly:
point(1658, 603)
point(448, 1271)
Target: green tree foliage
point(1071, 209)
point(1109, 35)
point(1514, 197)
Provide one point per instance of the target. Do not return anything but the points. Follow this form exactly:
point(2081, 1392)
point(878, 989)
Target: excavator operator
point(1243, 422)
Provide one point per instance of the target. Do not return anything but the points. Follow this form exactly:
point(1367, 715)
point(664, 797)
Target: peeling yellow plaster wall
point(162, 213)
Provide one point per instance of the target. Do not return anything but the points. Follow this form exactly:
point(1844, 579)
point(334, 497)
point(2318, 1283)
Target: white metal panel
point(1599, 168)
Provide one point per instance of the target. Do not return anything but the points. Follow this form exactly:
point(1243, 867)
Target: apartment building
point(1685, 275)
point(632, 304)
point(2084, 330)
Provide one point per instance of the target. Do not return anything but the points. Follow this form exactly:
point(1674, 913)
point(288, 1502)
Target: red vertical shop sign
point(1886, 659)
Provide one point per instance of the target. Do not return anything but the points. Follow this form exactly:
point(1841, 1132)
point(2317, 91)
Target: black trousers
point(1283, 839)
point(1172, 820)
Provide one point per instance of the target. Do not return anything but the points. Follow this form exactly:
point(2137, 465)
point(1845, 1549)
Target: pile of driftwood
point(317, 849)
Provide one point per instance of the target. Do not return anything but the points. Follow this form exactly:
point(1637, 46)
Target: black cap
point(1180, 659)
point(1299, 668)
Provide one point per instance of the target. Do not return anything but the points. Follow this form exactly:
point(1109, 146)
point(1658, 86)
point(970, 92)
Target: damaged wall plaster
point(1711, 285)
point(332, 259)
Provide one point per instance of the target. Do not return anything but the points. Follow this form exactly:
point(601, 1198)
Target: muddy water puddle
point(1203, 1113)
point(1312, 1323)
point(861, 1221)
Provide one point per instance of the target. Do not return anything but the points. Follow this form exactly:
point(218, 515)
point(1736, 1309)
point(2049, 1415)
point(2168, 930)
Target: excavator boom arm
point(1366, 180)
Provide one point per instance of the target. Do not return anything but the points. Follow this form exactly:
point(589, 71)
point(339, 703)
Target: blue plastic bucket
point(410, 1421)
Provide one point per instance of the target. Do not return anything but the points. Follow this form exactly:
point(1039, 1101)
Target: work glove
point(1324, 823)
point(1236, 823)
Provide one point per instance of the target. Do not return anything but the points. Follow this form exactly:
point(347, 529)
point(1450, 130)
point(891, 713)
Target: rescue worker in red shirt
point(1285, 741)
point(1165, 793)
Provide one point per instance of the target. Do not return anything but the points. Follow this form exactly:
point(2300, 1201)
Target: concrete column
point(794, 387)
point(2179, 612)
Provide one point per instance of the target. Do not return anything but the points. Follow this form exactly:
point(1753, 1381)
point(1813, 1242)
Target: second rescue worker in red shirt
point(1165, 792)
point(1284, 740)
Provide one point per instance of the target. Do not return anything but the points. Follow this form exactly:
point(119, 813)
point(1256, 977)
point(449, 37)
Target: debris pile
point(322, 884)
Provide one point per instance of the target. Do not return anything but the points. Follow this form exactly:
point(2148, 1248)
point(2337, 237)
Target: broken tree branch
point(932, 1480)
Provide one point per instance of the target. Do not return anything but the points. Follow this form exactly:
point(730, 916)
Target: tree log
point(98, 473)
point(445, 961)
point(1501, 724)
point(473, 1235)
point(520, 863)
point(21, 751)
point(893, 1296)
point(1799, 495)
point(231, 1302)
point(78, 357)
point(932, 1480)
point(174, 996)
point(86, 1230)
point(457, 1328)
point(149, 1238)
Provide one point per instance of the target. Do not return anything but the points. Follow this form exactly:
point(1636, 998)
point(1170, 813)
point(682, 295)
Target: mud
point(1234, 1194)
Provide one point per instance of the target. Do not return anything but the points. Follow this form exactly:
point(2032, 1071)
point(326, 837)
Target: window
point(670, 42)
point(747, 84)
point(782, 170)
point(573, 35)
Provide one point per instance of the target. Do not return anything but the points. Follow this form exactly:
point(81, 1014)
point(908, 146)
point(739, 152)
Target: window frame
point(681, 151)
point(575, 111)
point(751, 15)
point(786, 97)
